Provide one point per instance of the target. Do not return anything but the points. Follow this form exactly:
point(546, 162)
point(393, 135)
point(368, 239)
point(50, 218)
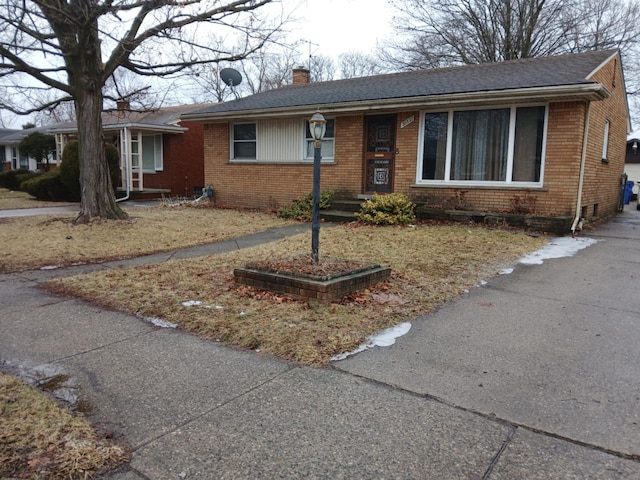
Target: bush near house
point(46, 186)
point(70, 168)
point(391, 209)
point(9, 179)
point(302, 208)
point(23, 177)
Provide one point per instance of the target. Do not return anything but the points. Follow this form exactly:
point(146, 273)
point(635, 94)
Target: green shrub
point(47, 186)
point(70, 168)
point(302, 208)
point(23, 177)
point(9, 179)
point(392, 209)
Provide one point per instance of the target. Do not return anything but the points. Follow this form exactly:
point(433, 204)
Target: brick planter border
point(310, 288)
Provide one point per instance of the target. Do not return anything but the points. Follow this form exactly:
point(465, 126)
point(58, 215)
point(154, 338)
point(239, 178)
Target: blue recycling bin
point(627, 192)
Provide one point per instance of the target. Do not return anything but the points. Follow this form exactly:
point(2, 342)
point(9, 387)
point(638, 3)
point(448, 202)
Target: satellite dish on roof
point(231, 77)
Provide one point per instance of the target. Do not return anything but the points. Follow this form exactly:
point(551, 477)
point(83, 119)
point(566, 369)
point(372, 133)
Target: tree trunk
point(96, 192)
point(97, 197)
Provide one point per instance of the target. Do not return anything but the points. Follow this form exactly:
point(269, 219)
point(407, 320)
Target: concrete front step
point(341, 211)
point(337, 216)
point(346, 205)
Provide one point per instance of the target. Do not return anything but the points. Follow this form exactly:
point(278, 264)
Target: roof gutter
point(589, 92)
point(131, 126)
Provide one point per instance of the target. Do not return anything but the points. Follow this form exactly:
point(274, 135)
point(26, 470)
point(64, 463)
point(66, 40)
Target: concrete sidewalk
point(533, 375)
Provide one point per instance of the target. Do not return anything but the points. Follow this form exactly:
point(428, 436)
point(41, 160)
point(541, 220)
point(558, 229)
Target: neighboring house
point(544, 136)
point(5, 149)
point(160, 154)
point(632, 158)
point(10, 156)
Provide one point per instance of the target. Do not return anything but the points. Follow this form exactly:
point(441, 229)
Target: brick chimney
point(301, 76)
point(122, 106)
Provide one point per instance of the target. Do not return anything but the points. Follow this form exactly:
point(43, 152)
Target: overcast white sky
point(337, 26)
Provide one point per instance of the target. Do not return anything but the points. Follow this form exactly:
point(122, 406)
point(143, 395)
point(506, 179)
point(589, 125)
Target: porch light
point(634, 147)
point(318, 127)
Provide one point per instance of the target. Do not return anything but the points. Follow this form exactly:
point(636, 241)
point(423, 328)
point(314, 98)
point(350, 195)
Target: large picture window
point(244, 141)
point(327, 148)
point(499, 145)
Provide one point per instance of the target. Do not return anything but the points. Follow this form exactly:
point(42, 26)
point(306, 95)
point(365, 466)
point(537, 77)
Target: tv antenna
point(310, 52)
point(232, 78)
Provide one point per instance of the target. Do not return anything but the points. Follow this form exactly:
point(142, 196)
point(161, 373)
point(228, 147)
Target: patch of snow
point(558, 248)
point(506, 271)
point(158, 322)
point(191, 303)
point(386, 338)
point(50, 267)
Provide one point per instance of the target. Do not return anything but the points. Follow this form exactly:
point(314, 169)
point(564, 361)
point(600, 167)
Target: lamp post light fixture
point(318, 127)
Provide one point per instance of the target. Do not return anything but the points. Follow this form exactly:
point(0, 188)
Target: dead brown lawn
point(11, 200)
point(431, 264)
point(39, 439)
point(33, 242)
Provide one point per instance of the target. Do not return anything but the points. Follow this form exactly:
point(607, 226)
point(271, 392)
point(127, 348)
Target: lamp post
point(318, 126)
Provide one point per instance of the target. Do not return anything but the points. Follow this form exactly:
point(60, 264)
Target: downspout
point(125, 151)
point(583, 161)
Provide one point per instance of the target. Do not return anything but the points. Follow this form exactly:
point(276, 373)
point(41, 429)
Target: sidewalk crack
point(494, 461)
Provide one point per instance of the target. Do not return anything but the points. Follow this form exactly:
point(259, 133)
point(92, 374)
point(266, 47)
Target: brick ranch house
point(160, 154)
point(543, 137)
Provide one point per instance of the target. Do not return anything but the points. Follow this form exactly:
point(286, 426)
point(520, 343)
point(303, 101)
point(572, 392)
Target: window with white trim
point(605, 141)
point(328, 141)
point(152, 153)
point(496, 146)
point(244, 141)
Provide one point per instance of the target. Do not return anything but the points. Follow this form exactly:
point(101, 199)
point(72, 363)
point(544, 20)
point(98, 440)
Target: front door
point(379, 153)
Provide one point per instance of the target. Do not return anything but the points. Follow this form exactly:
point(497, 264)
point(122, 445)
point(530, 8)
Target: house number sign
point(408, 121)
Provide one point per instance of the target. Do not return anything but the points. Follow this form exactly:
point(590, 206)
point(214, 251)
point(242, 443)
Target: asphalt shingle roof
point(563, 70)
point(162, 117)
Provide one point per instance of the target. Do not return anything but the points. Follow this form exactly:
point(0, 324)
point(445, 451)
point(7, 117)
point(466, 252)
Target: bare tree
point(604, 24)
point(441, 33)
point(74, 47)
point(270, 68)
point(321, 68)
point(437, 33)
point(357, 64)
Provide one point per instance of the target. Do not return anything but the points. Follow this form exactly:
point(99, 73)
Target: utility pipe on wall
point(583, 161)
point(124, 145)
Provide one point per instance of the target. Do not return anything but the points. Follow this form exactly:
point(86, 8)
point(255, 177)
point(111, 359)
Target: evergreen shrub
point(391, 209)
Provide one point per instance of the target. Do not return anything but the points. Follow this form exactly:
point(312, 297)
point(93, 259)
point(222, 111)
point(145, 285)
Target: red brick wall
point(183, 162)
point(602, 180)
point(271, 186)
